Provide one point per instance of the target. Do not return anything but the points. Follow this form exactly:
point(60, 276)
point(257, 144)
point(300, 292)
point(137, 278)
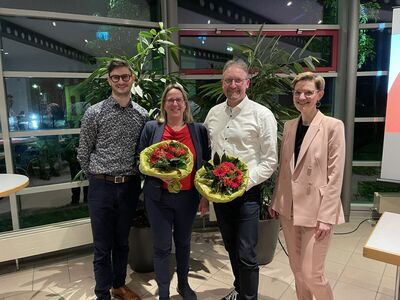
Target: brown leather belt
point(115, 179)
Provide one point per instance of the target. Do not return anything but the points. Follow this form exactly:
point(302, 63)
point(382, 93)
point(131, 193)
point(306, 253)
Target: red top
point(184, 137)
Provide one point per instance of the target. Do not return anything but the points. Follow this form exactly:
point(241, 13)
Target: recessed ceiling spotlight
point(54, 24)
point(86, 41)
point(209, 22)
point(320, 21)
point(289, 3)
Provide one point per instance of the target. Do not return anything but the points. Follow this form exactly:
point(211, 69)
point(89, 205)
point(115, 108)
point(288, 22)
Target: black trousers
point(172, 215)
point(238, 223)
point(111, 208)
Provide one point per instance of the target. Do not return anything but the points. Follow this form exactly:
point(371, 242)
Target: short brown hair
point(119, 63)
point(310, 76)
point(187, 115)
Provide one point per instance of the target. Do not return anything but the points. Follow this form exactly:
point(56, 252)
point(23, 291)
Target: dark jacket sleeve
point(204, 143)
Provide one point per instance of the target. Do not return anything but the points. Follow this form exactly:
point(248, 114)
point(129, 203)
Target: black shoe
point(233, 295)
point(187, 293)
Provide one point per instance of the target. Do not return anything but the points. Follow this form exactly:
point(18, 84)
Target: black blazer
point(152, 133)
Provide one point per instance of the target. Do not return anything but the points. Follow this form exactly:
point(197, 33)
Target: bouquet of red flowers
point(222, 179)
point(167, 160)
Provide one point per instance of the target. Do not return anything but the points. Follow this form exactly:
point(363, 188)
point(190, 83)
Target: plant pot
point(268, 231)
point(141, 250)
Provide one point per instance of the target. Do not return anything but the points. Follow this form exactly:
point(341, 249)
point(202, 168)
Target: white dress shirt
point(247, 131)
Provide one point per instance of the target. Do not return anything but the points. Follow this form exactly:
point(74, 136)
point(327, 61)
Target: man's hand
point(273, 213)
point(322, 230)
point(203, 206)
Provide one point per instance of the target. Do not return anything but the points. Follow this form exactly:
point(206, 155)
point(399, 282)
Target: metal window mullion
point(375, 25)
point(251, 27)
point(52, 187)
point(29, 74)
point(366, 163)
point(18, 134)
point(372, 73)
point(10, 12)
point(369, 120)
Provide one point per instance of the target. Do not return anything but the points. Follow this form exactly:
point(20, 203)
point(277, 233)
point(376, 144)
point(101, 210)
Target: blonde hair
point(187, 115)
point(310, 76)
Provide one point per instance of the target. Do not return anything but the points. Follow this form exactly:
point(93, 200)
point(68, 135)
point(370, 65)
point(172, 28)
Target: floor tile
point(16, 282)
point(387, 286)
point(344, 291)
point(360, 278)
point(35, 295)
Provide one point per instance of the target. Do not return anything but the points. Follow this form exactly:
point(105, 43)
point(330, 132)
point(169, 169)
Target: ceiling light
point(35, 86)
point(229, 48)
point(209, 22)
point(5, 53)
point(289, 3)
point(86, 41)
point(320, 21)
point(54, 24)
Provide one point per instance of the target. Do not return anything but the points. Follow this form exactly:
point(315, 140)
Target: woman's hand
point(322, 230)
point(203, 206)
point(273, 213)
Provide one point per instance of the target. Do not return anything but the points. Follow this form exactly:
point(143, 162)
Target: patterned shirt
point(109, 137)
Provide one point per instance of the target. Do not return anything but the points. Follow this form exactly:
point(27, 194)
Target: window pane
point(145, 10)
point(374, 49)
point(385, 10)
point(211, 52)
point(368, 141)
point(46, 159)
point(371, 96)
point(49, 207)
point(44, 103)
point(365, 184)
point(5, 214)
point(37, 45)
point(252, 12)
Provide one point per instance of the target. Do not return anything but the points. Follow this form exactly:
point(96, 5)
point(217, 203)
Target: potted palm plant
point(272, 68)
point(151, 48)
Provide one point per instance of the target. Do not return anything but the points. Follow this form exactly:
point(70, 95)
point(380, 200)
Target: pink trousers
point(307, 260)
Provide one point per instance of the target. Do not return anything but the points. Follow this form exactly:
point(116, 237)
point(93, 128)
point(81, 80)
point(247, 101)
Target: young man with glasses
point(110, 132)
point(245, 129)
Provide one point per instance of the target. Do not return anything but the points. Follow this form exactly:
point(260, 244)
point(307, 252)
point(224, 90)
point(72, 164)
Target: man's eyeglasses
point(124, 77)
point(236, 81)
point(307, 94)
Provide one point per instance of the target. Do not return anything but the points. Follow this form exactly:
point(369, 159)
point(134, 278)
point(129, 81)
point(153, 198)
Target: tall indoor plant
point(151, 49)
point(272, 69)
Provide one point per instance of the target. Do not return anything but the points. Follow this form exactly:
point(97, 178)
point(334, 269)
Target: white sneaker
point(233, 295)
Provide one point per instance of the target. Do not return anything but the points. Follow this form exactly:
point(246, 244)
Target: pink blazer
point(310, 190)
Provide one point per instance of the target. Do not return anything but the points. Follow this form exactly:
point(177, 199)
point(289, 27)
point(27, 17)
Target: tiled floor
point(71, 276)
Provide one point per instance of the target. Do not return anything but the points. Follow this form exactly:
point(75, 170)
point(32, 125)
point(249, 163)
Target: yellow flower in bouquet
point(167, 160)
point(222, 179)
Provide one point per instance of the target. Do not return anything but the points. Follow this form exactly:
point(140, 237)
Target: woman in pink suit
point(307, 193)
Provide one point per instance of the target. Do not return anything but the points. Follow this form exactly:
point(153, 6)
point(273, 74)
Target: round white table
point(12, 183)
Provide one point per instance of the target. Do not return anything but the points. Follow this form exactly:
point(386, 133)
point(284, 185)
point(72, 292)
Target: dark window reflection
point(44, 103)
point(5, 214)
point(256, 12)
point(371, 96)
point(38, 45)
point(368, 141)
point(374, 49)
point(385, 10)
point(145, 10)
point(2, 158)
point(208, 52)
point(49, 207)
point(46, 159)
point(365, 184)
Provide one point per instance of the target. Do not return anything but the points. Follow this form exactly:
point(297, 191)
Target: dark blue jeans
point(173, 215)
point(111, 207)
point(238, 223)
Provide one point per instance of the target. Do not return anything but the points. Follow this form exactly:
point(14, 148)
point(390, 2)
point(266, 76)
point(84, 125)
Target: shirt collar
point(240, 106)
point(114, 103)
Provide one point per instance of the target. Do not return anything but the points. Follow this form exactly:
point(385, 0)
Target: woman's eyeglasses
point(124, 77)
point(307, 94)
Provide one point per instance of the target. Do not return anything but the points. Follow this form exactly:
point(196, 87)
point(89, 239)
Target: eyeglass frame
point(128, 76)
point(237, 81)
point(172, 101)
point(307, 94)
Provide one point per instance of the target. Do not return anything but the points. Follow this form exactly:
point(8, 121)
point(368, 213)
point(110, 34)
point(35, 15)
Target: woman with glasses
point(172, 214)
point(307, 192)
